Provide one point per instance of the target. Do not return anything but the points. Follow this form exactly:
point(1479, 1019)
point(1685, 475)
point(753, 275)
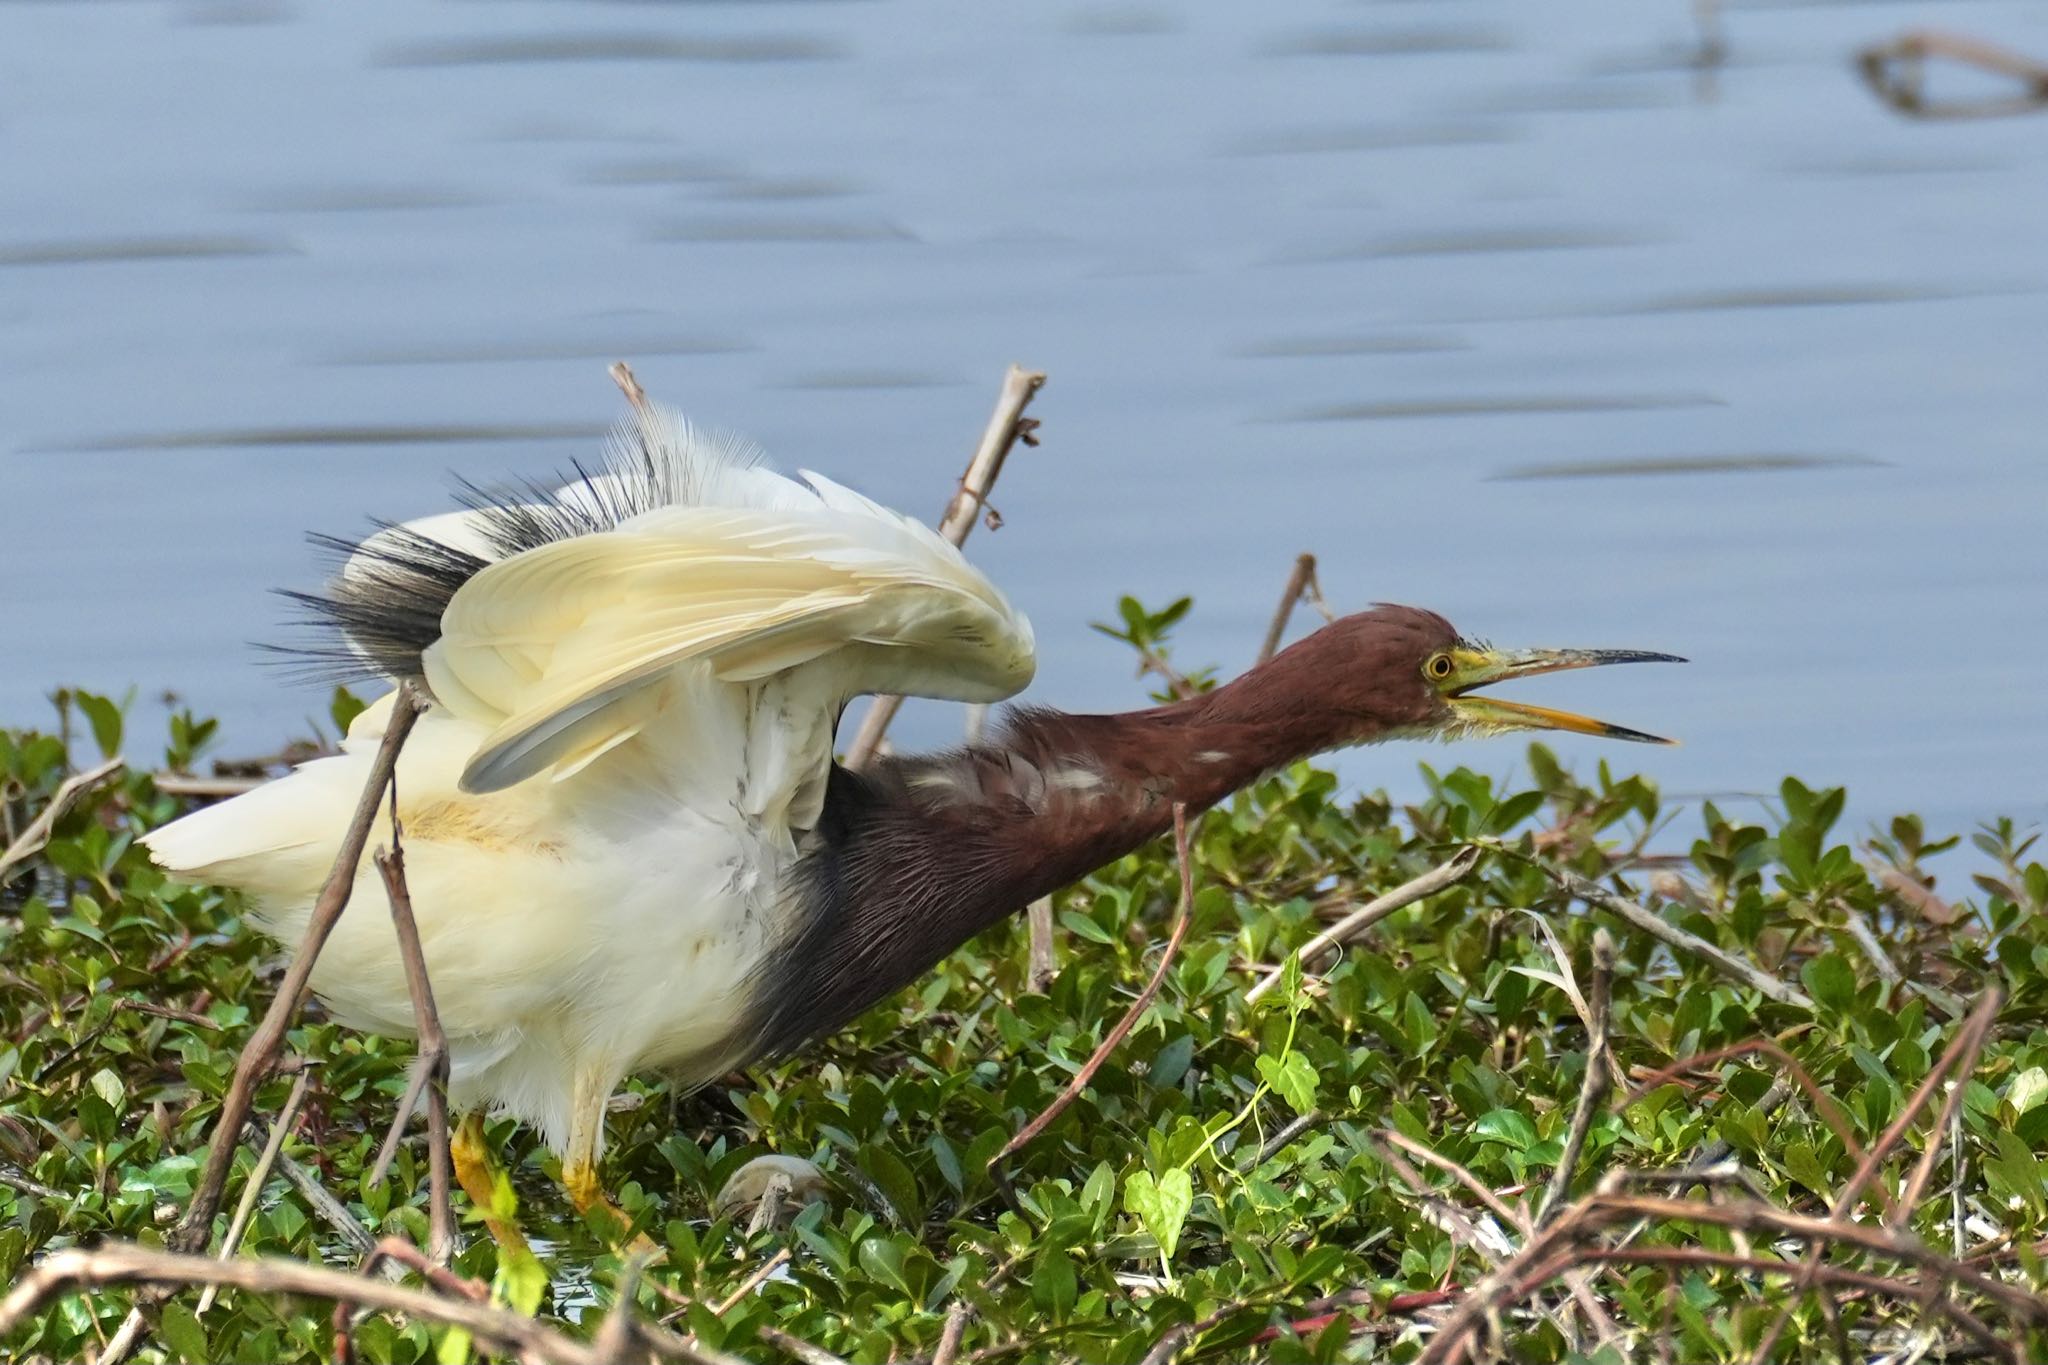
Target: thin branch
point(1181, 918)
point(251, 1190)
point(954, 1331)
point(629, 385)
point(433, 1047)
point(61, 801)
point(1513, 1217)
point(1896, 74)
point(14, 1180)
point(1301, 587)
point(1043, 968)
point(1006, 425)
point(753, 1281)
point(1277, 1143)
point(325, 1206)
point(797, 1347)
point(125, 1263)
point(1358, 921)
point(1593, 1086)
point(1563, 1245)
point(1959, 1060)
point(388, 1256)
point(260, 1053)
point(1655, 925)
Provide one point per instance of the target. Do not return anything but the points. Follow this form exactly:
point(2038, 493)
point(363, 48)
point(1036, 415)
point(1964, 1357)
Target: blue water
point(1362, 279)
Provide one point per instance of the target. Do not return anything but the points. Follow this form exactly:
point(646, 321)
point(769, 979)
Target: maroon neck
point(919, 855)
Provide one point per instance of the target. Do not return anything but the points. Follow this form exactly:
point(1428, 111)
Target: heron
point(629, 845)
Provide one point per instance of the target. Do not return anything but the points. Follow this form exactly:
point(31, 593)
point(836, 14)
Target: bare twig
point(1358, 921)
point(1182, 915)
point(1959, 1060)
point(614, 1336)
point(1301, 587)
point(1275, 1144)
point(239, 1224)
point(389, 1256)
point(325, 1206)
point(260, 1053)
point(1593, 1087)
point(1896, 73)
point(1654, 925)
point(955, 1329)
point(797, 1347)
point(125, 1263)
point(1006, 425)
point(1043, 968)
point(753, 1281)
point(433, 1047)
point(207, 788)
point(629, 385)
point(66, 796)
point(1564, 1244)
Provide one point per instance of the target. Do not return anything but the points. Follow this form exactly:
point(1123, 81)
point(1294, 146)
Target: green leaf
point(1292, 1078)
point(105, 718)
point(1162, 1205)
point(1506, 1126)
point(344, 708)
point(1830, 981)
point(181, 1330)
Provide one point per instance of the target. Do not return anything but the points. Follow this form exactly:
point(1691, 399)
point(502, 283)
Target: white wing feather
point(567, 650)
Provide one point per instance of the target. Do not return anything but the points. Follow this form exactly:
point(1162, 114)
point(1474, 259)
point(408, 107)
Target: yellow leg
point(579, 1161)
point(477, 1173)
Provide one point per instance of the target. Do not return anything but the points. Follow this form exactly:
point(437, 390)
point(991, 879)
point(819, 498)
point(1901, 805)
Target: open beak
point(1491, 713)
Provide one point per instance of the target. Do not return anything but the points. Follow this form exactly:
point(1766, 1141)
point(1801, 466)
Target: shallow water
point(1505, 312)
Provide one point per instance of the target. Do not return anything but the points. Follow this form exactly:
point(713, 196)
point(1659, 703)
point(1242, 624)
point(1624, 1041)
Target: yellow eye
point(1439, 666)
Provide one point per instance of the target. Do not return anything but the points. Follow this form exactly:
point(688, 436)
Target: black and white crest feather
point(382, 608)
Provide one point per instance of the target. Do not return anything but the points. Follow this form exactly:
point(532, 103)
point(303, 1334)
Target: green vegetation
point(1223, 1170)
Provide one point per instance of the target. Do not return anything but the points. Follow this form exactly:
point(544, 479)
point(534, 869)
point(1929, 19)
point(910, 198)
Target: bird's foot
point(476, 1170)
point(581, 1184)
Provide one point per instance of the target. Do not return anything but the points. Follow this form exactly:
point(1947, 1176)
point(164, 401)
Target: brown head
point(1403, 672)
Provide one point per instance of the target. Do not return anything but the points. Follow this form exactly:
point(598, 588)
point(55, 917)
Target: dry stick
point(748, 1285)
point(798, 1347)
point(1006, 425)
point(125, 1263)
point(1579, 1284)
point(62, 800)
point(1960, 1060)
point(1301, 586)
point(1042, 967)
point(1895, 72)
point(433, 1047)
point(1654, 925)
point(1453, 1219)
point(614, 1336)
point(955, 1329)
point(1358, 921)
point(1593, 1087)
point(1824, 1104)
point(1834, 1277)
point(1562, 1245)
point(1181, 917)
point(325, 1206)
point(239, 1224)
point(622, 375)
point(389, 1256)
point(261, 1051)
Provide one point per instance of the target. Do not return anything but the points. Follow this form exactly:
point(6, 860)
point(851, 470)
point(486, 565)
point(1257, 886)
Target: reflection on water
point(1426, 294)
